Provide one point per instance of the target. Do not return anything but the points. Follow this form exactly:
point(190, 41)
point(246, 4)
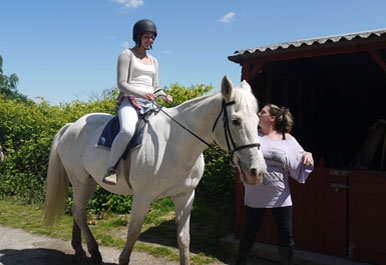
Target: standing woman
point(138, 83)
point(285, 158)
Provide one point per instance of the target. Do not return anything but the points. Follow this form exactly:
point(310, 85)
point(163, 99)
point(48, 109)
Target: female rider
point(137, 75)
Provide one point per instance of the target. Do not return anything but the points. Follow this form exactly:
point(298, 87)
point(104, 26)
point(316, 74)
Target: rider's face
point(147, 39)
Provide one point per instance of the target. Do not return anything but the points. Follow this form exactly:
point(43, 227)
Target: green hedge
point(27, 129)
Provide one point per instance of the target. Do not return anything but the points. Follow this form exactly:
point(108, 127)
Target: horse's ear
point(245, 85)
point(226, 87)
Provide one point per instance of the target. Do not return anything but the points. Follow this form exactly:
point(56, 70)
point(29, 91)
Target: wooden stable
point(336, 89)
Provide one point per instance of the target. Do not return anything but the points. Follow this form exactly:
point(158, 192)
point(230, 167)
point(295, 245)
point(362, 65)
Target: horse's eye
point(236, 122)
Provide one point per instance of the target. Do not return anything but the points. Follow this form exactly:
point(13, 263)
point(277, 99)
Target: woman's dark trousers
point(254, 220)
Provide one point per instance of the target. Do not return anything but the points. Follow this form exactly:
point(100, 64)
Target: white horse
point(169, 162)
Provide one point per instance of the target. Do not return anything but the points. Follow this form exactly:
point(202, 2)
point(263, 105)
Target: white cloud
point(228, 17)
point(130, 3)
point(125, 45)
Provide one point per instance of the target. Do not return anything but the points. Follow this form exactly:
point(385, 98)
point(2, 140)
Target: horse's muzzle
point(255, 176)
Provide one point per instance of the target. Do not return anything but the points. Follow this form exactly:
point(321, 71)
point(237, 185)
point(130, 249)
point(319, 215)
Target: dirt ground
point(18, 247)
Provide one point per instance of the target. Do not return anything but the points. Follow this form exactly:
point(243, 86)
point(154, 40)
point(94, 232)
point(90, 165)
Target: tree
point(8, 85)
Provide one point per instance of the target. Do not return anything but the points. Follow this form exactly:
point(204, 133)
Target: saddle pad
point(111, 130)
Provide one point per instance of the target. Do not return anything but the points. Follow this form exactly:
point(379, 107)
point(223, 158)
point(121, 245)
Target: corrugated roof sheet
point(311, 42)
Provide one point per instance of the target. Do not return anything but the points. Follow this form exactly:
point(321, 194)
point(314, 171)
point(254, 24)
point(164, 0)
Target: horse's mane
point(197, 100)
point(242, 97)
point(193, 100)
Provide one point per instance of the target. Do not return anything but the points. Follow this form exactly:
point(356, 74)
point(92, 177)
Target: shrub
point(27, 129)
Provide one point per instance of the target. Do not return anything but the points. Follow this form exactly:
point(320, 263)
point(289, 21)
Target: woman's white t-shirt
point(284, 160)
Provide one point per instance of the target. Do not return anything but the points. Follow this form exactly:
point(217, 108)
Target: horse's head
point(1, 155)
point(239, 134)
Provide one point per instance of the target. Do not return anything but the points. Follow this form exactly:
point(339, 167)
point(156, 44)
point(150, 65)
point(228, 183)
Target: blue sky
point(64, 50)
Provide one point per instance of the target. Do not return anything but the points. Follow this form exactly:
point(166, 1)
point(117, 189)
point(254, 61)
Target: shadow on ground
point(41, 256)
point(165, 234)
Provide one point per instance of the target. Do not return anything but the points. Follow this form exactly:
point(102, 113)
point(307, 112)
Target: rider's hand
point(168, 99)
point(150, 96)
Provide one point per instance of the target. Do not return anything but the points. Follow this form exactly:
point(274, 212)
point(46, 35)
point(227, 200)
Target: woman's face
point(265, 117)
point(147, 40)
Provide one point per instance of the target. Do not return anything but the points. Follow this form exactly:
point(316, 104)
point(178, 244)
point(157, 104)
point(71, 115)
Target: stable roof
point(369, 41)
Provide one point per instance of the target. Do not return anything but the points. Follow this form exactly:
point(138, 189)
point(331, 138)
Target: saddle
point(112, 128)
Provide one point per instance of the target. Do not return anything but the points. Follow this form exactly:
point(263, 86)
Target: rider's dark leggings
point(283, 220)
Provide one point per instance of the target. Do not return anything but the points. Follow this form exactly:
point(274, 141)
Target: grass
point(210, 221)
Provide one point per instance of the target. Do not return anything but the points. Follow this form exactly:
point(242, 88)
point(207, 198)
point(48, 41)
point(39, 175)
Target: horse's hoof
point(123, 261)
point(96, 261)
point(96, 258)
point(80, 258)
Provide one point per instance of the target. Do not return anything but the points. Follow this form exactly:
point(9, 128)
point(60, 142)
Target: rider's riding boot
point(244, 249)
point(117, 149)
point(286, 255)
point(110, 177)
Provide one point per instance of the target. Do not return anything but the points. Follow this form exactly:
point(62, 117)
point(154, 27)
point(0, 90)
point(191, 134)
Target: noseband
point(227, 130)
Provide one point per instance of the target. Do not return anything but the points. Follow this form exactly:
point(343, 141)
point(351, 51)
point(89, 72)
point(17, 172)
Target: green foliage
point(181, 94)
point(219, 176)
point(8, 85)
point(27, 129)
point(104, 202)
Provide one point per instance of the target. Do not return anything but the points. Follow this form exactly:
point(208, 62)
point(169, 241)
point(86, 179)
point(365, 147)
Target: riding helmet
point(142, 26)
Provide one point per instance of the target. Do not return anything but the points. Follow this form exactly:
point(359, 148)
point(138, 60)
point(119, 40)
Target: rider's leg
point(127, 118)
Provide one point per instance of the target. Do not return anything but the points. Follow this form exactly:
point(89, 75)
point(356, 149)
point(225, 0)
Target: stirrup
point(110, 177)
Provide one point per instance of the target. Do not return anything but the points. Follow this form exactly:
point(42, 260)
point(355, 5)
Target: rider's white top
point(127, 65)
point(142, 76)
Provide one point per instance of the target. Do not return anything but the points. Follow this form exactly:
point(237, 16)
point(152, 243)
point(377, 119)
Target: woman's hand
point(168, 99)
point(150, 96)
point(308, 160)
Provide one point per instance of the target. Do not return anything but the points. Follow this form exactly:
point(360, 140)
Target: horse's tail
point(57, 184)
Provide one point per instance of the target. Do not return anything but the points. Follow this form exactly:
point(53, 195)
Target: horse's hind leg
point(76, 243)
point(82, 195)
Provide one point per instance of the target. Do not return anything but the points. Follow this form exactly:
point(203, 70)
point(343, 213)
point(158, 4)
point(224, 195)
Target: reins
point(180, 124)
point(227, 132)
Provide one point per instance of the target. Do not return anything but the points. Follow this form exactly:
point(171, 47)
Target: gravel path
point(18, 247)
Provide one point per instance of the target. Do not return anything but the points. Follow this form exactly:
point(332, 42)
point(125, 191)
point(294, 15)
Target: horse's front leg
point(139, 210)
point(183, 206)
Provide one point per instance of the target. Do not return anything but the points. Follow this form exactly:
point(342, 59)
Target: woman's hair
point(284, 120)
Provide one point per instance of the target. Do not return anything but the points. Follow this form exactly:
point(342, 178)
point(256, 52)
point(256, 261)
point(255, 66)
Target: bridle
point(227, 132)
